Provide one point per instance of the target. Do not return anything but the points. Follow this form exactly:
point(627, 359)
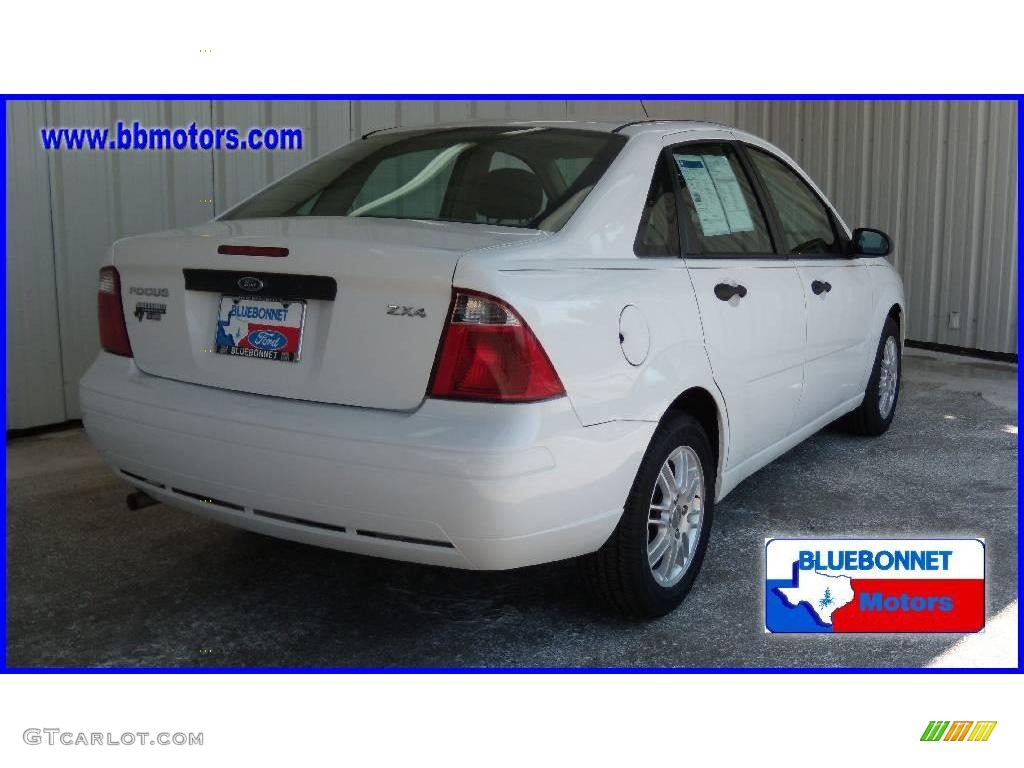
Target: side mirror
point(871, 242)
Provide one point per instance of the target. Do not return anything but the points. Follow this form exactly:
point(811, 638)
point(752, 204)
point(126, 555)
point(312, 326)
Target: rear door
point(751, 301)
point(837, 288)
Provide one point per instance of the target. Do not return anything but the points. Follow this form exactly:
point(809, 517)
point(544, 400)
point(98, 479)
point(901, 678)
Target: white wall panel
point(713, 110)
point(237, 174)
point(996, 306)
point(35, 393)
point(98, 197)
point(941, 177)
point(84, 195)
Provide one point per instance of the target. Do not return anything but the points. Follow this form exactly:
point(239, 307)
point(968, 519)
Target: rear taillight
point(488, 353)
point(113, 333)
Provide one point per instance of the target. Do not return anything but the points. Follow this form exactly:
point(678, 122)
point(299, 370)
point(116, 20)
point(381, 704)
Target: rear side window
point(805, 221)
point(658, 234)
point(533, 177)
point(718, 199)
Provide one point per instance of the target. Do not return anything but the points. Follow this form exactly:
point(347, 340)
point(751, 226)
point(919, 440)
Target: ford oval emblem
point(251, 284)
point(267, 340)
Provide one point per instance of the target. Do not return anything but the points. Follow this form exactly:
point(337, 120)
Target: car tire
point(875, 414)
point(627, 573)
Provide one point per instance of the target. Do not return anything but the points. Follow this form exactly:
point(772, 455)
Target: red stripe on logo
point(289, 332)
point(913, 605)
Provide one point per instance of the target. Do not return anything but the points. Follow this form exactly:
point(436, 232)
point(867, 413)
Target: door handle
point(820, 287)
point(724, 291)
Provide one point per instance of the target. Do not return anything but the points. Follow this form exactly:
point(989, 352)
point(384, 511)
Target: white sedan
point(489, 346)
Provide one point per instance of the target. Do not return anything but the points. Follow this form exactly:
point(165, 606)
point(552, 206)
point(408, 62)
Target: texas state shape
point(823, 594)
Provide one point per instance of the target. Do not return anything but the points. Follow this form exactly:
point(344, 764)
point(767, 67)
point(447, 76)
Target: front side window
point(532, 177)
point(724, 214)
point(806, 223)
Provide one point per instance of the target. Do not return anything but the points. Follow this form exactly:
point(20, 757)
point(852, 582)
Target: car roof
point(626, 128)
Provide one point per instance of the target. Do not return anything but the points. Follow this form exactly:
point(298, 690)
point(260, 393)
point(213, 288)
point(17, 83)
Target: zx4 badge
point(401, 311)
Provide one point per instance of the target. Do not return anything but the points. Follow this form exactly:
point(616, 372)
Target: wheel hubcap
point(676, 516)
point(888, 377)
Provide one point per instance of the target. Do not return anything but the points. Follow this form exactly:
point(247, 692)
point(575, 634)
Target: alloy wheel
point(888, 377)
point(676, 516)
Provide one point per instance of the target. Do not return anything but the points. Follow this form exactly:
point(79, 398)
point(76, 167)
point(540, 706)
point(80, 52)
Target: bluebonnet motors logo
point(874, 585)
point(268, 329)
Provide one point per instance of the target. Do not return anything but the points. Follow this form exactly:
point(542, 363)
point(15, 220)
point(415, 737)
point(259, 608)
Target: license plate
point(266, 329)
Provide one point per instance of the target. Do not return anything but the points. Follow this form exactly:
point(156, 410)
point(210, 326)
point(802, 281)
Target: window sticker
point(717, 195)
point(730, 193)
point(706, 202)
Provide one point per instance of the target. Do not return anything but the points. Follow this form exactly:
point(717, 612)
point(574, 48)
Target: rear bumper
point(468, 485)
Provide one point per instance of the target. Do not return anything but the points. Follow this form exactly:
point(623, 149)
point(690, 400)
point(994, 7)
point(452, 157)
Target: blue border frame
point(4, 669)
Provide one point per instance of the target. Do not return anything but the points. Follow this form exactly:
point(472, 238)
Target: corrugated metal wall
point(940, 176)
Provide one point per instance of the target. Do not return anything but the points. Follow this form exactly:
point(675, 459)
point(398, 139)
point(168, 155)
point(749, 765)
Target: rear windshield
point(531, 177)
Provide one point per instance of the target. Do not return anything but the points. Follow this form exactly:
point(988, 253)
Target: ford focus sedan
point(491, 346)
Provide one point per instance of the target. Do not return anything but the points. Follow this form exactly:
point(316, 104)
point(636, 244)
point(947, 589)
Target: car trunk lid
point(375, 294)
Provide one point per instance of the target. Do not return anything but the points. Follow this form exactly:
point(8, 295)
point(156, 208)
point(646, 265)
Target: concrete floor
point(92, 584)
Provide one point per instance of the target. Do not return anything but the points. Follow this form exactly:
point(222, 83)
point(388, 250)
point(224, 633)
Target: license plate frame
point(260, 328)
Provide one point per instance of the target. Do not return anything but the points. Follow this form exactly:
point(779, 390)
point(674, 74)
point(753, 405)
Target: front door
point(837, 289)
point(838, 295)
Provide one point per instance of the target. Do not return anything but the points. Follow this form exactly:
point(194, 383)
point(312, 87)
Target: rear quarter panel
point(574, 306)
